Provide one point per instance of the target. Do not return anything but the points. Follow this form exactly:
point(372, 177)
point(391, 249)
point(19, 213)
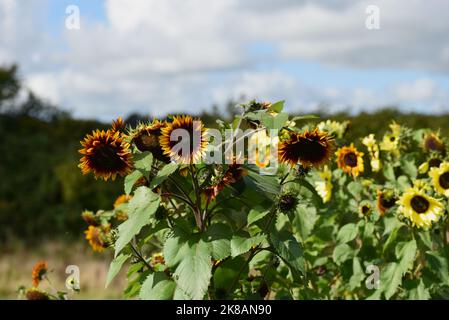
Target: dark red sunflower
point(146, 138)
point(311, 148)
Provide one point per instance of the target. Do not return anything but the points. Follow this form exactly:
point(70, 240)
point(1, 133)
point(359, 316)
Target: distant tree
point(9, 84)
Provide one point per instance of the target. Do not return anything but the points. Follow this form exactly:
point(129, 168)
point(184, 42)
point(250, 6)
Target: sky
point(165, 56)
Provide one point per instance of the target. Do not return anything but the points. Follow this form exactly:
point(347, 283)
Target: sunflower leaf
point(163, 174)
point(157, 286)
point(115, 267)
point(131, 179)
point(142, 207)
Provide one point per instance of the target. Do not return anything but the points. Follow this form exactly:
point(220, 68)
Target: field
point(17, 261)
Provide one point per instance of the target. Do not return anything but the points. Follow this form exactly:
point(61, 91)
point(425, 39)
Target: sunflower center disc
point(419, 204)
point(444, 180)
point(350, 160)
point(434, 163)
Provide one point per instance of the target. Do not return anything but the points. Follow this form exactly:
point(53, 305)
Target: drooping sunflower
point(350, 160)
point(420, 208)
point(310, 148)
point(432, 142)
point(106, 154)
point(440, 178)
point(385, 200)
point(39, 271)
point(36, 294)
point(146, 138)
point(231, 175)
point(184, 139)
point(96, 238)
point(90, 218)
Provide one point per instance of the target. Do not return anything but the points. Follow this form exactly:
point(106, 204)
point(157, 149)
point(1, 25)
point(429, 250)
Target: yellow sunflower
point(106, 154)
point(324, 187)
point(39, 271)
point(440, 178)
point(184, 139)
point(146, 138)
point(432, 142)
point(350, 160)
point(311, 148)
point(121, 200)
point(96, 239)
point(420, 208)
point(373, 149)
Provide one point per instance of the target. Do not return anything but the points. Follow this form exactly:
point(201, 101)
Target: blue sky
point(154, 56)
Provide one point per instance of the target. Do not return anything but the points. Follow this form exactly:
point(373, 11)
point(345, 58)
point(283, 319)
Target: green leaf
point(221, 249)
point(194, 271)
point(305, 220)
point(266, 184)
point(390, 279)
point(240, 245)
point(420, 292)
point(357, 274)
point(406, 252)
point(342, 252)
point(438, 265)
point(142, 207)
point(306, 117)
point(409, 167)
point(131, 179)
point(143, 161)
point(115, 267)
point(388, 172)
point(256, 214)
point(277, 106)
point(163, 174)
point(355, 188)
point(347, 233)
point(157, 286)
point(274, 122)
point(288, 248)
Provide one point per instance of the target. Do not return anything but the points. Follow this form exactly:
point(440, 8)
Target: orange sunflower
point(106, 154)
point(146, 138)
point(350, 160)
point(311, 148)
point(232, 175)
point(184, 139)
point(95, 236)
point(39, 271)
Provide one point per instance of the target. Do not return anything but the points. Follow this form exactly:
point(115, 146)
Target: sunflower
point(287, 202)
point(440, 178)
point(385, 200)
point(432, 142)
point(350, 160)
point(90, 218)
point(232, 175)
point(121, 215)
point(174, 144)
point(365, 209)
point(420, 208)
point(432, 163)
point(95, 236)
point(118, 124)
point(311, 148)
point(146, 138)
point(157, 259)
point(106, 154)
point(36, 294)
point(373, 150)
point(124, 198)
point(39, 271)
point(324, 187)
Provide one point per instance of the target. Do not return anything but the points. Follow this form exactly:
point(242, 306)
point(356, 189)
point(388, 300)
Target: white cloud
point(165, 56)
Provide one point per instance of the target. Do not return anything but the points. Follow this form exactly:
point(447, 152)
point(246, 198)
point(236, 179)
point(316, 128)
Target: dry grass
point(17, 262)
